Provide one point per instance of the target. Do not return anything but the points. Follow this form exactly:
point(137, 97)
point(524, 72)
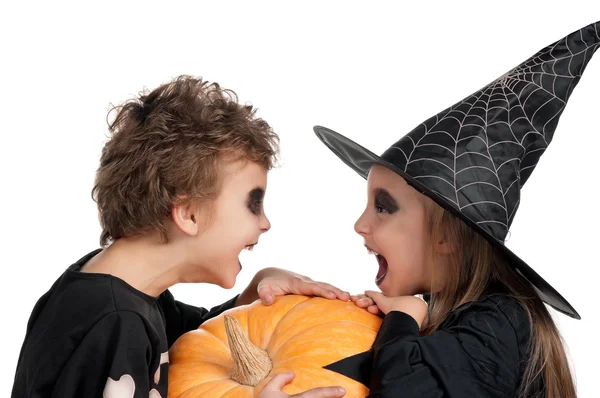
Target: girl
point(179, 189)
point(440, 203)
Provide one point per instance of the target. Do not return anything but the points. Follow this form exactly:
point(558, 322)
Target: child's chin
point(228, 281)
point(229, 284)
point(390, 290)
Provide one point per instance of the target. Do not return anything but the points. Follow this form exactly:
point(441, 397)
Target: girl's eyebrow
point(386, 199)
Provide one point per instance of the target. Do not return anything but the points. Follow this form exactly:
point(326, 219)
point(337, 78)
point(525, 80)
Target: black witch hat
point(474, 157)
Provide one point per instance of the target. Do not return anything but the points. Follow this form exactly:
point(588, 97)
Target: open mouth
point(250, 247)
point(383, 265)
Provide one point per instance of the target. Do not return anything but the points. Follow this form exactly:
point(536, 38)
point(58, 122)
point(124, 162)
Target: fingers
point(322, 289)
point(366, 302)
point(322, 392)
point(279, 381)
point(356, 297)
point(373, 309)
point(339, 293)
point(381, 301)
point(266, 294)
point(362, 300)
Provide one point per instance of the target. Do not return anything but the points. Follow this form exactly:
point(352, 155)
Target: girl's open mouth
point(383, 266)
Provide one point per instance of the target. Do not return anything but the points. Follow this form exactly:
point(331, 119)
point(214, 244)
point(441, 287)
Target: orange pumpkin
point(235, 354)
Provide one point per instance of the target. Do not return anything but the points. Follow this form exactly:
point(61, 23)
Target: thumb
point(266, 294)
point(279, 381)
point(381, 300)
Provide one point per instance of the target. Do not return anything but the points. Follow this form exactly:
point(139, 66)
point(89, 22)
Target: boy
point(179, 191)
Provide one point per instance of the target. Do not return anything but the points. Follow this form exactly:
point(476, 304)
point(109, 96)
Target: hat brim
point(361, 160)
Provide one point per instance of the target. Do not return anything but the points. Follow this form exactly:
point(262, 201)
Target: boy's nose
point(265, 224)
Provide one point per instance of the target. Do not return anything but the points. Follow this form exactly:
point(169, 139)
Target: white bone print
point(124, 388)
point(154, 394)
point(164, 358)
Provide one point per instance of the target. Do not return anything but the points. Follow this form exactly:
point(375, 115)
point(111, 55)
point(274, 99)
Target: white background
point(372, 71)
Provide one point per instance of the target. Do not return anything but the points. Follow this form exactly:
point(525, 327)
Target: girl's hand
point(366, 302)
point(273, 389)
point(411, 305)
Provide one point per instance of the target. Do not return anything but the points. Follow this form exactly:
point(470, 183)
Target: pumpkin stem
point(250, 364)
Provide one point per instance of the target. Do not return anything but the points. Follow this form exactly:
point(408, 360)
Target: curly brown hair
point(166, 146)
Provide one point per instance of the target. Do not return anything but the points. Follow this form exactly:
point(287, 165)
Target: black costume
point(472, 159)
point(93, 335)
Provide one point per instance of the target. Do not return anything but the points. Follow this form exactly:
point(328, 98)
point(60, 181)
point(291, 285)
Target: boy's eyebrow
point(385, 198)
point(256, 194)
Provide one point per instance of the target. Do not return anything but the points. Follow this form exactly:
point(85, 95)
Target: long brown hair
point(469, 270)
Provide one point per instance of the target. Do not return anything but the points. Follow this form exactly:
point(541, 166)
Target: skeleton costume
point(93, 335)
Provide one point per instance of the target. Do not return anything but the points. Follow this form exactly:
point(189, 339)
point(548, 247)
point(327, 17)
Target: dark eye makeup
point(255, 200)
point(384, 202)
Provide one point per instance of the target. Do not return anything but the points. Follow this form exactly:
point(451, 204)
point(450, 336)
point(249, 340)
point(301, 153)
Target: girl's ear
point(444, 246)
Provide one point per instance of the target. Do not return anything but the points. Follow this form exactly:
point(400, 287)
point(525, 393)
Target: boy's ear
point(186, 217)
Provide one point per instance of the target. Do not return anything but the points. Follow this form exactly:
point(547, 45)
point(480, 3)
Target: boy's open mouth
point(250, 247)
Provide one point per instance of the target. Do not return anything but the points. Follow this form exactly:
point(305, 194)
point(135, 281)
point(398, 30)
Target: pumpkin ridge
point(224, 365)
point(224, 343)
point(205, 382)
point(209, 381)
point(237, 395)
point(282, 318)
point(184, 377)
point(293, 337)
point(269, 348)
point(321, 324)
point(201, 361)
point(175, 346)
point(225, 392)
point(226, 346)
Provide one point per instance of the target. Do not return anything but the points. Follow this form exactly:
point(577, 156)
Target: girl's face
point(234, 222)
point(393, 226)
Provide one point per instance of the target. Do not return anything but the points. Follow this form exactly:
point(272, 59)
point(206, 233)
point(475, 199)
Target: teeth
point(372, 252)
point(249, 247)
point(378, 280)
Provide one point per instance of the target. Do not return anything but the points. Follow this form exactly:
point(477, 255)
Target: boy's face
point(236, 220)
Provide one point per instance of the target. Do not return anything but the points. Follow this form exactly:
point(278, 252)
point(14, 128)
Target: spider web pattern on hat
point(478, 153)
point(474, 157)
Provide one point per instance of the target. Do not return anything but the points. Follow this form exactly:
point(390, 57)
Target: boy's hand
point(273, 389)
point(271, 282)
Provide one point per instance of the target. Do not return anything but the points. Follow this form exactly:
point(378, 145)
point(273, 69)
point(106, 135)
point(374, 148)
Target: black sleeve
point(180, 318)
point(113, 360)
point(476, 354)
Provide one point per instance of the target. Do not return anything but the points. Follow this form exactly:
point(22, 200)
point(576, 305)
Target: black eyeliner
point(384, 200)
point(255, 198)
